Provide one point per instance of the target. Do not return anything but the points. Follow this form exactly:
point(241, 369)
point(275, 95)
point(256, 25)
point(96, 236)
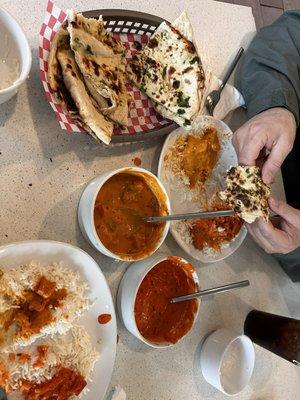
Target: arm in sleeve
point(270, 75)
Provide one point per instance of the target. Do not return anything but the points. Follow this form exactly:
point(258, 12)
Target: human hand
point(272, 131)
point(282, 237)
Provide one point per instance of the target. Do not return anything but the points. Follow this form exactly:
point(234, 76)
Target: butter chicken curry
point(120, 206)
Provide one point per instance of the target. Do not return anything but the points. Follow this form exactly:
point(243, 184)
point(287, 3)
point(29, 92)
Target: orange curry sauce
point(158, 320)
point(64, 384)
point(200, 155)
point(120, 205)
point(36, 311)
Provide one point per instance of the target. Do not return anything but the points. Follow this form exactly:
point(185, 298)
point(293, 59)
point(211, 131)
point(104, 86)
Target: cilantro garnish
point(194, 60)
point(183, 101)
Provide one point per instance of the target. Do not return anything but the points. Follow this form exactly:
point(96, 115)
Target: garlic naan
point(99, 126)
point(169, 71)
point(100, 59)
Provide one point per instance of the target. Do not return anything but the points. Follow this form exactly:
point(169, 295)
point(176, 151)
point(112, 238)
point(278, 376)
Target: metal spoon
point(214, 97)
point(206, 292)
point(194, 215)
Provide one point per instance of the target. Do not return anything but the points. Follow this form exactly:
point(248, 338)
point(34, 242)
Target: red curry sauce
point(120, 205)
point(214, 232)
point(158, 320)
point(64, 385)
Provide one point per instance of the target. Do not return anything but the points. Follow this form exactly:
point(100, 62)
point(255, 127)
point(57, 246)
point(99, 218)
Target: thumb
point(274, 161)
point(288, 213)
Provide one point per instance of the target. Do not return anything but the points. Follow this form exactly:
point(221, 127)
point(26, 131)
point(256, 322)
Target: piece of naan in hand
point(99, 126)
point(101, 61)
point(246, 193)
point(168, 69)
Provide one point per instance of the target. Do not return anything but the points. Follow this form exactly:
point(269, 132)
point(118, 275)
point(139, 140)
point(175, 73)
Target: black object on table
point(2, 394)
point(278, 334)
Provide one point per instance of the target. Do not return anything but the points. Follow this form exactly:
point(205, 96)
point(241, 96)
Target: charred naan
point(100, 127)
point(246, 193)
point(169, 71)
point(100, 59)
point(54, 73)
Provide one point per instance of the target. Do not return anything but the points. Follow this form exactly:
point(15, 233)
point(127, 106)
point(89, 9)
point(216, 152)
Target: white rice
point(78, 353)
point(25, 277)
point(74, 351)
point(19, 371)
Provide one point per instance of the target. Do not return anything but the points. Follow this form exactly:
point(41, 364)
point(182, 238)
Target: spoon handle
point(206, 292)
point(194, 215)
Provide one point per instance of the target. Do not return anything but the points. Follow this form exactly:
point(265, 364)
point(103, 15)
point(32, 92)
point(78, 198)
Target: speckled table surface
point(43, 170)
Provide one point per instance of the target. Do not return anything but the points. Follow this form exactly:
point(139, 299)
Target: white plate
point(103, 337)
point(181, 204)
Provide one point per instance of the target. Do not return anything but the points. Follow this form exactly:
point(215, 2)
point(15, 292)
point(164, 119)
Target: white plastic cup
point(227, 361)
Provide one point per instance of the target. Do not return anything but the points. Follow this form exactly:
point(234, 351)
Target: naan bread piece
point(184, 26)
point(101, 61)
point(169, 71)
point(100, 126)
point(246, 193)
point(95, 28)
point(54, 73)
point(61, 38)
point(164, 112)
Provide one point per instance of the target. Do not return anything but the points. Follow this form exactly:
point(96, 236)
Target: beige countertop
point(43, 171)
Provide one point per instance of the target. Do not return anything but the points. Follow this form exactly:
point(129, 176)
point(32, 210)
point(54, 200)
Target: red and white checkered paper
point(142, 115)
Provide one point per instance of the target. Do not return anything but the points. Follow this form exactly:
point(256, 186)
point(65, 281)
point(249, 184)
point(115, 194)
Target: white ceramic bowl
point(127, 293)
point(86, 211)
point(227, 361)
point(15, 48)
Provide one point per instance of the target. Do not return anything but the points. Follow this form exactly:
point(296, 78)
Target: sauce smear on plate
point(104, 318)
point(158, 320)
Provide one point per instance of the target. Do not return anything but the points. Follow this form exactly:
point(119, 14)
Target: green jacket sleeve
point(270, 75)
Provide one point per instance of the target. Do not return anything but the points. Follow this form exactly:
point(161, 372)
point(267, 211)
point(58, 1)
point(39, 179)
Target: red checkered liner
point(142, 115)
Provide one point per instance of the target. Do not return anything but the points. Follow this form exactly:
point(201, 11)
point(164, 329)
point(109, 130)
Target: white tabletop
point(43, 170)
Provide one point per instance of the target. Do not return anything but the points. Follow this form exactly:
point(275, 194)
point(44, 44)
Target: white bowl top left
point(103, 337)
point(15, 55)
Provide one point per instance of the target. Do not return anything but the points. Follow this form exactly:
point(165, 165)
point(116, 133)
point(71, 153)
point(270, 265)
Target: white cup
point(227, 361)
